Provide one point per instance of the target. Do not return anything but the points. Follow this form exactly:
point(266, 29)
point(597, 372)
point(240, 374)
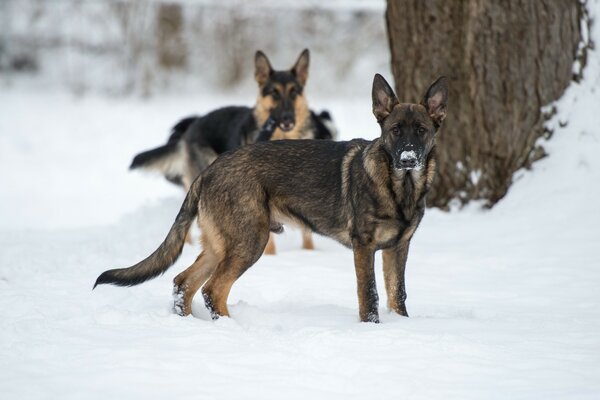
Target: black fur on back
point(179, 129)
point(219, 131)
point(228, 128)
point(223, 129)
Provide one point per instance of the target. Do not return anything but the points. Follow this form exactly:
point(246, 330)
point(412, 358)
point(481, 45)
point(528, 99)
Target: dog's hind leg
point(187, 283)
point(307, 240)
point(239, 257)
point(270, 248)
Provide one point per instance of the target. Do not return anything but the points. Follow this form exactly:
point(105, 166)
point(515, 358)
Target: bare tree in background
point(169, 34)
point(506, 60)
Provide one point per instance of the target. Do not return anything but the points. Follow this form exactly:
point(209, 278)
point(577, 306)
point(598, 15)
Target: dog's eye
point(395, 131)
point(422, 130)
point(275, 95)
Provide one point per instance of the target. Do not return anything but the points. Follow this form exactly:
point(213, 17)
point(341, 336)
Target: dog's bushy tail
point(167, 253)
point(167, 159)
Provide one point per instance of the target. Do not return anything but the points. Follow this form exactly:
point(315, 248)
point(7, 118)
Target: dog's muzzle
point(287, 126)
point(408, 160)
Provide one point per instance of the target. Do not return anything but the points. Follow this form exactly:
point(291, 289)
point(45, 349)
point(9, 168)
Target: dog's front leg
point(368, 300)
point(394, 265)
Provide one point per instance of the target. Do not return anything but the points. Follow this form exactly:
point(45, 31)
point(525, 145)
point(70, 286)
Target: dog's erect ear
point(263, 68)
point(300, 69)
point(435, 100)
point(384, 98)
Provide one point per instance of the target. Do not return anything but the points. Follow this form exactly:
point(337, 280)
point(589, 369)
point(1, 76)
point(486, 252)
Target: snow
point(503, 302)
point(408, 155)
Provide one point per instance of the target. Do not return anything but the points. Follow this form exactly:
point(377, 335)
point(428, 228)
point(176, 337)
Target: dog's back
point(195, 142)
point(222, 130)
point(304, 187)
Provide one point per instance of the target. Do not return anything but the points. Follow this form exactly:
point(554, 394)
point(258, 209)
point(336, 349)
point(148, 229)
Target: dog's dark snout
point(411, 163)
point(287, 117)
point(407, 159)
point(287, 121)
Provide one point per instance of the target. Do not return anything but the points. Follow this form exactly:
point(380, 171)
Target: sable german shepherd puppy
point(195, 142)
point(368, 195)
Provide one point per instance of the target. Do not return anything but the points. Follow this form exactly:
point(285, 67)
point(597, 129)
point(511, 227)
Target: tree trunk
point(505, 60)
point(169, 31)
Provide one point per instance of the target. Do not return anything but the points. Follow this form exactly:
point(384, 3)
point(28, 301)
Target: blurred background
point(506, 62)
point(153, 47)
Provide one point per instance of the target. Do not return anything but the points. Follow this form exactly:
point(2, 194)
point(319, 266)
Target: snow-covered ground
point(504, 303)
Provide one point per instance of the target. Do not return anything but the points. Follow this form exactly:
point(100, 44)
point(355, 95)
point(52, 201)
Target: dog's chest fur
point(394, 204)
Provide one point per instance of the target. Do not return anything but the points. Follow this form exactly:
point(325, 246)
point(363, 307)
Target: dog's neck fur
point(406, 187)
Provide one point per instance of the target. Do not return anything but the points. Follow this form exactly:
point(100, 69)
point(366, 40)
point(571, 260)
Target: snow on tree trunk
point(505, 60)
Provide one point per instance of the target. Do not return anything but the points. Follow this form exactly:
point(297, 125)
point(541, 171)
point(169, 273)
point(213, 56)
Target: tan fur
point(394, 262)
point(189, 281)
point(211, 236)
point(229, 268)
point(307, 240)
point(391, 278)
point(348, 158)
point(372, 163)
point(270, 248)
point(261, 112)
point(263, 107)
point(431, 168)
point(365, 278)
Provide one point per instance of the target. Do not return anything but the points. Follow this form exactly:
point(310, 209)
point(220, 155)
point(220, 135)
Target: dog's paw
point(209, 305)
point(179, 301)
point(371, 317)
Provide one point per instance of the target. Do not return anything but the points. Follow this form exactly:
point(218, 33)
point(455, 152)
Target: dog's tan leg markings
point(307, 240)
point(216, 290)
point(240, 253)
point(270, 248)
point(187, 283)
point(368, 300)
point(394, 265)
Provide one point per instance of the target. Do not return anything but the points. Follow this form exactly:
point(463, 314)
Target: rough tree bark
point(505, 60)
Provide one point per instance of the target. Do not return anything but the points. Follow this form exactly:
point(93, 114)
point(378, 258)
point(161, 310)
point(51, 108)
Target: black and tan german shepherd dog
point(281, 112)
point(368, 195)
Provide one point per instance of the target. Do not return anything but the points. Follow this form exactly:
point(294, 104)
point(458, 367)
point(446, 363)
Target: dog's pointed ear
point(263, 68)
point(435, 100)
point(300, 69)
point(384, 98)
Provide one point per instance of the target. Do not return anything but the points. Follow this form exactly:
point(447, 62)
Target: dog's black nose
point(408, 163)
